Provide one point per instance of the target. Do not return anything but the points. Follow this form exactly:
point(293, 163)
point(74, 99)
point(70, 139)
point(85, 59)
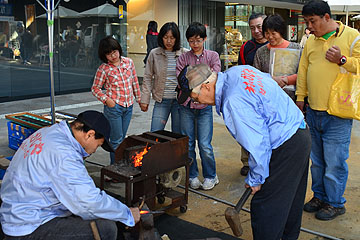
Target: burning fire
point(143, 212)
point(137, 158)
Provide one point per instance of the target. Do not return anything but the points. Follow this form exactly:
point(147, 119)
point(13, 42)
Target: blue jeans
point(72, 228)
point(198, 125)
point(161, 114)
point(329, 150)
point(119, 118)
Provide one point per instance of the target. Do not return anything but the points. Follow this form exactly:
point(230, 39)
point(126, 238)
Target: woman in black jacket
point(151, 38)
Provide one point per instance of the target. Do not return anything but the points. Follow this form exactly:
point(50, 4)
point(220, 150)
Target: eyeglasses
point(197, 41)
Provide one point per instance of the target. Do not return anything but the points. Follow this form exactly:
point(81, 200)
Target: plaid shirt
point(120, 83)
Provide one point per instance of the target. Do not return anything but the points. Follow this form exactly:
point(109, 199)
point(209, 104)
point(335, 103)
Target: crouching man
point(268, 124)
point(47, 192)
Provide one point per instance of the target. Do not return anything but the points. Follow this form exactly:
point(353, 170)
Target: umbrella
point(344, 6)
point(63, 12)
point(105, 10)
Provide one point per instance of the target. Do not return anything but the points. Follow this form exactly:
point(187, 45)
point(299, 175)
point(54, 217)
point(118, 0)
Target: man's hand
point(144, 107)
point(300, 105)
point(136, 214)
point(110, 103)
point(333, 54)
point(254, 189)
point(281, 81)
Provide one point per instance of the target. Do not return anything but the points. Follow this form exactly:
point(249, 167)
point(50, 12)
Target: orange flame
point(144, 212)
point(137, 158)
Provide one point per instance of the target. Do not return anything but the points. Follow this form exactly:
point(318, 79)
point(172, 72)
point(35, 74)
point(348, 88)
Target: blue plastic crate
point(14, 143)
point(17, 134)
point(2, 171)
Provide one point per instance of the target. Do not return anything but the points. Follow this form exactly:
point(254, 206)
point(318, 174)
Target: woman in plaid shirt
point(117, 75)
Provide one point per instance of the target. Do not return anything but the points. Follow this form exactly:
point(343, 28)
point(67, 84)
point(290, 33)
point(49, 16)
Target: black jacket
point(151, 42)
point(247, 52)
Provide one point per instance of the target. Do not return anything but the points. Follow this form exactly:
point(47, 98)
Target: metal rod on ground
point(97, 164)
point(248, 210)
point(214, 198)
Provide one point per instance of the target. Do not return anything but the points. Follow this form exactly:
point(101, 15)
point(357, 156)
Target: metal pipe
point(248, 210)
point(97, 164)
point(49, 8)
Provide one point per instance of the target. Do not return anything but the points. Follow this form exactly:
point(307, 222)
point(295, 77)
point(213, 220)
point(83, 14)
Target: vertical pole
point(49, 8)
point(58, 45)
point(50, 23)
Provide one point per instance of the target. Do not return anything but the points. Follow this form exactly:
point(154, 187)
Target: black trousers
point(71, 228)
point(276, 209)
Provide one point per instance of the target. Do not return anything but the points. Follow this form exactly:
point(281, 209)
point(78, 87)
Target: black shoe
point(244, 170)
point(328, 212)
point(313, 205)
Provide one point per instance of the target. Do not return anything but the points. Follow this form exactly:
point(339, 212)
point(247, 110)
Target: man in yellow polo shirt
point(325, 52)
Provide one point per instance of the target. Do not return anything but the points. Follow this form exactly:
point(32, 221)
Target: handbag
point(344, 99)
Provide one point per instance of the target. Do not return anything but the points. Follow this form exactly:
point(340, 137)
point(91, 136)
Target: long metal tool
point(247, 210)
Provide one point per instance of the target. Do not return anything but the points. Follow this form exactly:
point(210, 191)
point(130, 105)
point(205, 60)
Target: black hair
point(275, 23)
point(316, 7)
point(152, 26)
point(195, 29)
point(256, 15)
point(79, 125)
point(173, 27)
point(106, 46)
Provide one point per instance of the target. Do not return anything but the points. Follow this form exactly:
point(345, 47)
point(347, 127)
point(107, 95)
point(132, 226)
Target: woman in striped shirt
point(160, 79)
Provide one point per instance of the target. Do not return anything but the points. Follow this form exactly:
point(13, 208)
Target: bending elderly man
point(268, 124)
point(47, 192)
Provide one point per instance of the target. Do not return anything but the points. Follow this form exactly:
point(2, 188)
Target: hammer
point(232, 214)
point(95, 230)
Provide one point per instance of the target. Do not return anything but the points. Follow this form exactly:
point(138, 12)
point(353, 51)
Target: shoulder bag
point(344, 99)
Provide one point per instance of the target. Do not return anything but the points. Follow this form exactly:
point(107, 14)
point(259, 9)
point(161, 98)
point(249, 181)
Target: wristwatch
point(342, 60)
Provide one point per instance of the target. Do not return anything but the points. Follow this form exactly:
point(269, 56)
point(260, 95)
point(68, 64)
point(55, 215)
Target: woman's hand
point(282, 81)
point(144, 107)
point(110, 103)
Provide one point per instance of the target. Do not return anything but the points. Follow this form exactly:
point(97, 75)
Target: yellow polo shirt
point(316, 74)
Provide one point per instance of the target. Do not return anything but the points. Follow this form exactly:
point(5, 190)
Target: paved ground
point(204, 211)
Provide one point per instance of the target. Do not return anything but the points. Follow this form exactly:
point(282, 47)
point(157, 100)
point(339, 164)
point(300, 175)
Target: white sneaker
point(210, 183)
point(195, 183)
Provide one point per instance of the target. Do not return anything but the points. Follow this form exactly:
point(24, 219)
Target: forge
point(149, 164)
